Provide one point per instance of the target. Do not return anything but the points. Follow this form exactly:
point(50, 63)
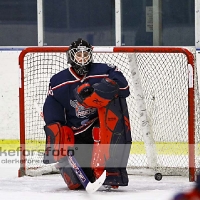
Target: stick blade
point(93, 187)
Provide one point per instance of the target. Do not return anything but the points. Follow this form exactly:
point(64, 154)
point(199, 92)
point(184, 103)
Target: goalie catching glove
point(98, 95)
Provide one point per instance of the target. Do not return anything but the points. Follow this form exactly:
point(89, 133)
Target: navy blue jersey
point(61, 105)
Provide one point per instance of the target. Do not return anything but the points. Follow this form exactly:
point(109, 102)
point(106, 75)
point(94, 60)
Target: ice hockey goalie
point(86, 111)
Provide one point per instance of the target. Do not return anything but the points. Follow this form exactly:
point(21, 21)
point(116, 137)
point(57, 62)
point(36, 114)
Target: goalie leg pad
point(120, 143)
point(112, 150)
point(98, 160)
point(58, 140)
point(70, 178)
point(116, 177)
point(102, 137)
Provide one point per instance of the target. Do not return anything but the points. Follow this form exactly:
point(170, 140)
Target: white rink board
point(9, 95)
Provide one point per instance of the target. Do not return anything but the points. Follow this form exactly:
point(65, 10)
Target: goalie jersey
point(61, 105)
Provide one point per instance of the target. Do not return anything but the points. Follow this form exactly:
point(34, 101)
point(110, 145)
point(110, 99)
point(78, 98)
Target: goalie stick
point(89, 187)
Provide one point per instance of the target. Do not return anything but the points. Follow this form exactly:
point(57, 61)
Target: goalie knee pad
point(58, 140)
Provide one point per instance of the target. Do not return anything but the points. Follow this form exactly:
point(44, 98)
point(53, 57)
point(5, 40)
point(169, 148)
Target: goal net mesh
point(164, 83)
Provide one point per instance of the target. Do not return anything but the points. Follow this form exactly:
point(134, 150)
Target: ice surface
point(52, 187)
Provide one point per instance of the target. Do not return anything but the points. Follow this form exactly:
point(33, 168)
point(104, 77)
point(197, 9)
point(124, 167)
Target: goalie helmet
point(80, 56)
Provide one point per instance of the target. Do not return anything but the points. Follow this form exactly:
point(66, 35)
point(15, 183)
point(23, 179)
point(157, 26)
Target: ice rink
point(52, 187)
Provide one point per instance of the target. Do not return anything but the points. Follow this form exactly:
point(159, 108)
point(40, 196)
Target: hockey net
point(163, 106)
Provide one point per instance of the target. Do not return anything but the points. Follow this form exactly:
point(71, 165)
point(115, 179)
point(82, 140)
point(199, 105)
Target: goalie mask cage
point(163, 106)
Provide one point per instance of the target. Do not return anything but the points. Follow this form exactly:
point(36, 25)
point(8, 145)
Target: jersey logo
point(81, 111)
point(50, 92)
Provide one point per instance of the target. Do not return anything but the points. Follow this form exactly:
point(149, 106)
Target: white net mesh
point(164, 82)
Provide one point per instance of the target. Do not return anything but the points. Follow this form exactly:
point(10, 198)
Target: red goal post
point(37, 64)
